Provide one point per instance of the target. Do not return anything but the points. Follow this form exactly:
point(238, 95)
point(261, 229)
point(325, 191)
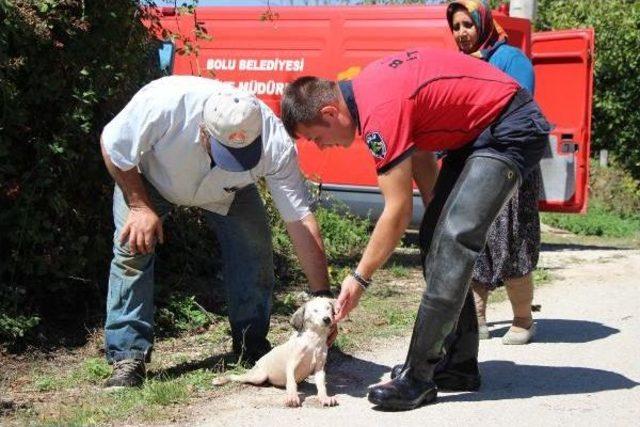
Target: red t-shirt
point(429, 99)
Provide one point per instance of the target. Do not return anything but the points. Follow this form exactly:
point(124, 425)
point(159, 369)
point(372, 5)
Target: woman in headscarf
point(513, 244)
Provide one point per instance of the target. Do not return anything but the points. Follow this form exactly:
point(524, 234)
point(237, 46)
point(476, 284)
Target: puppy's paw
point(328, 400)
point(292, 400)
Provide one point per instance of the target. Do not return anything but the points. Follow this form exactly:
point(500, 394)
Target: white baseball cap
point(233, 119)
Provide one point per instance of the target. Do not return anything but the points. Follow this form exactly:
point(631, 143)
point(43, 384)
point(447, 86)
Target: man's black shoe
point(126, 373)
point(403, 393)
point(449, 380)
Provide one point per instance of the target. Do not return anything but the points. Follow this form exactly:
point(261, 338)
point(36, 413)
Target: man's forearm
point(307, 242)
point(129, 182)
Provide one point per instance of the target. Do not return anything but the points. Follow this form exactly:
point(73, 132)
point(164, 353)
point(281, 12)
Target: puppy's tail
point(220, 381)
point(227, 379)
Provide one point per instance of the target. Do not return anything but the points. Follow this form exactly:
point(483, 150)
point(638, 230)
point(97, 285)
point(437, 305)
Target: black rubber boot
point(480, 192)
point(414, 385)
point(403, 393)
point(458, 370)
point(450, 380)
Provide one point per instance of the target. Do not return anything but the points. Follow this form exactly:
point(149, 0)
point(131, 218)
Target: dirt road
point(583, 368)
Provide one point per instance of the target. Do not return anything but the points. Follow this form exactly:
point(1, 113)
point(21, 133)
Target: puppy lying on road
point(303, 354)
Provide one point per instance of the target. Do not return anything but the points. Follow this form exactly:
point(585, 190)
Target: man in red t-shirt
point(405, 106)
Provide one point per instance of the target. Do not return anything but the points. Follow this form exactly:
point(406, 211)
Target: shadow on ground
point(501, 380)
point(216, 362)
point(561, 330)
point(553, 247)
point(348, 375)
point(508, 380)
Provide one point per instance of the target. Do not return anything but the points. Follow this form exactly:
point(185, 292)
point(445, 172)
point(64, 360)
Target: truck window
point(166, 51)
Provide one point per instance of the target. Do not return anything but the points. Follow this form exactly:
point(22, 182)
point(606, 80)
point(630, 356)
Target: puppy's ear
point(297, 320)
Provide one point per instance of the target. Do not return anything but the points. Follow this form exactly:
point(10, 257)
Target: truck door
point(563, 64)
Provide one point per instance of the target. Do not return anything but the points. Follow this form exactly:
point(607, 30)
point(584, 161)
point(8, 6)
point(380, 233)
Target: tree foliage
point(616, 118)
point(66, 66)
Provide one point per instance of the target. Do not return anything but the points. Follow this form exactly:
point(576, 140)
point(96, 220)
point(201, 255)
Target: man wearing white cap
point(192, 141)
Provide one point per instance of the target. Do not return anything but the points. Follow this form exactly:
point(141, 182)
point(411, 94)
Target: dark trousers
point(518, 138)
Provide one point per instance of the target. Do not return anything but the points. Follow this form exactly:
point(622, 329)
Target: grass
point(183, 314)
point(399, 271)
point(387, 309)
point(542, 276)
point(597, 222)
point(69, 391)
point(78, 399)
point(190, 350)
point(285, 304)
point(101, 407)
point(163, 393)
point(91, 371)
point(613, 211)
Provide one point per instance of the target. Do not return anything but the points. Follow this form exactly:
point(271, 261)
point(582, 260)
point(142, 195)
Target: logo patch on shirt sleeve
point(376, 144)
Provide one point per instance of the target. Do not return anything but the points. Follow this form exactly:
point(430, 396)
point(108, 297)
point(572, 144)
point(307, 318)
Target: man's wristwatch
point(364, 283)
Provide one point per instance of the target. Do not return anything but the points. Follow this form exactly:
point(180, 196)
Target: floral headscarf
point(490, 33)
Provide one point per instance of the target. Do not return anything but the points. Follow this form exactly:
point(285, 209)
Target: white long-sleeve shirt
point(158, 132)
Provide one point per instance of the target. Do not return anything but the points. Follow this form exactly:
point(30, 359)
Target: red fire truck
point(263, 55)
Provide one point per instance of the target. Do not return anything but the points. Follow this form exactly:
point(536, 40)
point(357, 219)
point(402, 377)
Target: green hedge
point(599, 221)
point(66, 66)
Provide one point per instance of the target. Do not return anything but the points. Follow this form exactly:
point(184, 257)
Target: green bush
point(16, 326)
point(614, 208)
point(616, 189)
point(598, 221)
point(182, 314)
point(344, 237)
point(616, 119)
point(66, 67)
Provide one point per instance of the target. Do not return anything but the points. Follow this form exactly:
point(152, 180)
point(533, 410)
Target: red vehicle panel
point(261, 56)
point(563, 63)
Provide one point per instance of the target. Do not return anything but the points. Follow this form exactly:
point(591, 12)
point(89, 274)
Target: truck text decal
point(253, 64)
point(257, 87)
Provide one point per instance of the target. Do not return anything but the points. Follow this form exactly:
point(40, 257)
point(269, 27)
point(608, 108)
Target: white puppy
point(303, 354)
